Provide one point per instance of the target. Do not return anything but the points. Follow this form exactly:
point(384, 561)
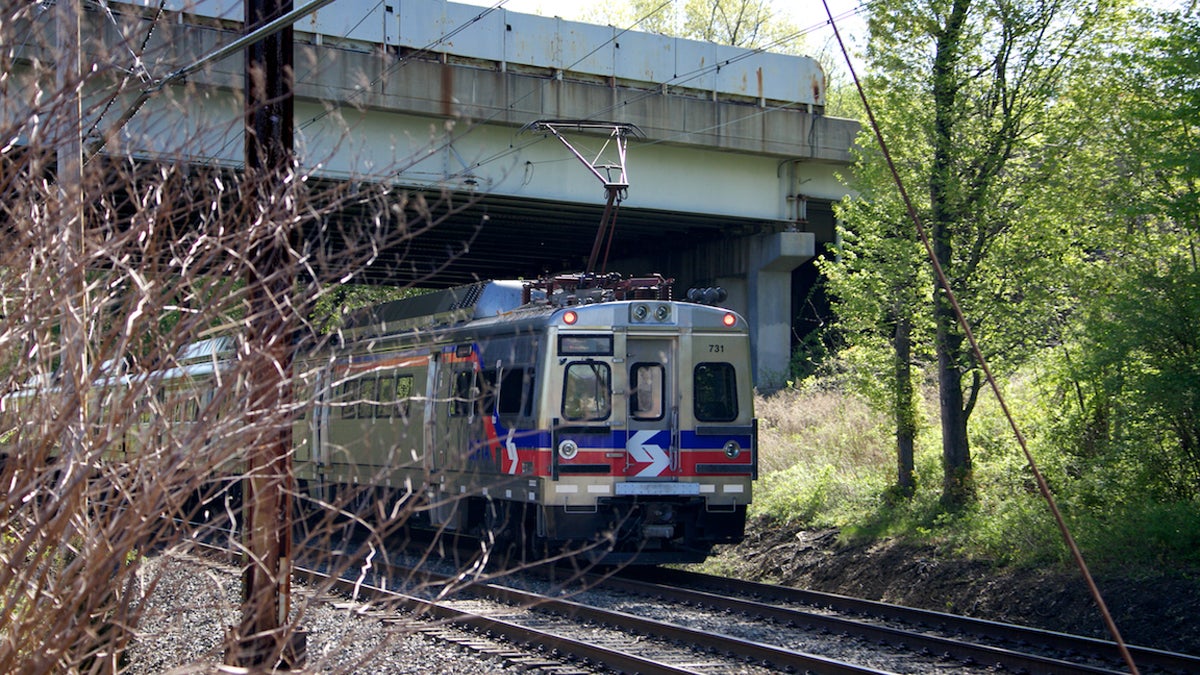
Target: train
point(588, 415)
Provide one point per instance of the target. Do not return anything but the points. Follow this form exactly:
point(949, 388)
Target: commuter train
point(578, 414)
point(571, 413)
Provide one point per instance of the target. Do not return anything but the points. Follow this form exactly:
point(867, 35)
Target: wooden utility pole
point(68, 74)
point(263, 638)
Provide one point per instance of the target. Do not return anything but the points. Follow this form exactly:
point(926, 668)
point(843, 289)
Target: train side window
point(715, 392)
point(191, 409)
point(347, 397)
point(464, 393)
point(386, 399)
point(646, 397)
point(368, 396)
point(587, 391)
point(145, 414)
point(512, 392)
point(404, 392)
point(487, 402)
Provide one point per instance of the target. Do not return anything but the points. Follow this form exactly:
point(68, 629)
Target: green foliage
point(828, 467)
point(1164, 104)
point(738, 23)
point(1127, 373)
point(1134, 369)
point(332, 307)
point(1075, 258)
point(976, 103)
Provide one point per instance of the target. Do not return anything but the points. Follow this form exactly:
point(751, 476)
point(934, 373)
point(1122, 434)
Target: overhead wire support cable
point(944, 283)
point(615, 190)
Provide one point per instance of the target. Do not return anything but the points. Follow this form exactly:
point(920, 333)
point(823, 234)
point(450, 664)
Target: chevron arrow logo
point(643, 451)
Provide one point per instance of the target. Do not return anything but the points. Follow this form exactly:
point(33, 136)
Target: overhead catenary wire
point(977, 353)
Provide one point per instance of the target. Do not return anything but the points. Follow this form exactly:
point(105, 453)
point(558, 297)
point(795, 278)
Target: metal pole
point(263, 638)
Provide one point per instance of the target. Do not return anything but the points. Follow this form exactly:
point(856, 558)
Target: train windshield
point(587, 391)
point(715, 392)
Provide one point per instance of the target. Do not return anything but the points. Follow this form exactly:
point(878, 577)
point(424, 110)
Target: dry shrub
point(821, 426)
point(105, 276)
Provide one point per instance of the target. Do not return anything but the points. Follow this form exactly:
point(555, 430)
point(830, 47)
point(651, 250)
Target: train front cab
point(653, 443)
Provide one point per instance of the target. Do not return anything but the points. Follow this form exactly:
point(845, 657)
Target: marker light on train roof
point(570, 317)
point(729, 319)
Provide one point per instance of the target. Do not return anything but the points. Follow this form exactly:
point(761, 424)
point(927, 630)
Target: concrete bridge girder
point(437, 121)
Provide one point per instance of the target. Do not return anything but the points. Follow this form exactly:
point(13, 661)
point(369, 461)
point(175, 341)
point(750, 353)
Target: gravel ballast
point(194, 602)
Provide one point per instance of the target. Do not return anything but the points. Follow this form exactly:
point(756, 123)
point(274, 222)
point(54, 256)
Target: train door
point(652, 441)
point(455, 414)
point(458, 389)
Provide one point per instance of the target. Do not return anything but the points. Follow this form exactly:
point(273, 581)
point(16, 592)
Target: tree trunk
point(957, 486)
point(905, 408)
point(946, 214)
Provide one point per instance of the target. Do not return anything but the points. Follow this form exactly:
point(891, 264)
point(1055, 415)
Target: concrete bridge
point(730, 180)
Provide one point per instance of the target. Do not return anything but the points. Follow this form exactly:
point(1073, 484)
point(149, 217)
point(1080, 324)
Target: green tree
point(880, 284)
point(1130, 363)
point(971, 89)
point(738, 23)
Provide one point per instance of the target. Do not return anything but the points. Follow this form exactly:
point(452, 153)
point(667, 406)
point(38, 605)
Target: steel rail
point(762, 653)
point(534, 602)
point(508, 630)
point(666, 583)
point(1063, 642)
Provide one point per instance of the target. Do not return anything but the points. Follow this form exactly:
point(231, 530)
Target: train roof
point(209, 349)
point(500, 299)
point(439, 308)
point(487, 299)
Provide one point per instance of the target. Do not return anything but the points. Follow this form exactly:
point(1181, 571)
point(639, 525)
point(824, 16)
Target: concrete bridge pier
point(763, 294)
point(769, 286)
point(756, 272)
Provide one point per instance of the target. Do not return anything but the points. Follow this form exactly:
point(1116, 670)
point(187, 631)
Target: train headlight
point(732, 449)
point(568, 449)
point(640, 312)
point(570, 317)
point(729, 319)
point(662, 312)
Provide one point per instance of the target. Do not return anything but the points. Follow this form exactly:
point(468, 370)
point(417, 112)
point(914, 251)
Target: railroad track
point(969, 641)
point(576, 635)
point(654, 620)
point(669, 621)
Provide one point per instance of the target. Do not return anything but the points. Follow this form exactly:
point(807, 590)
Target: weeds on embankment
point(828, 461)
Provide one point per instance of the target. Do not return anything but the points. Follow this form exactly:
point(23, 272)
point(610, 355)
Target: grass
point(828, 461)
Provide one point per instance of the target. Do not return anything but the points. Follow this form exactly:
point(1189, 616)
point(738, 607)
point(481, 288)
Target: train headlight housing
point(569, 317)
point(729, 319)
point(640, 312)
point(732, 449)
point(662, 312)
point(568, 449)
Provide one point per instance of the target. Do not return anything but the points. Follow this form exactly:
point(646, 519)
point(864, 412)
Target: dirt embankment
point(1153, 608)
